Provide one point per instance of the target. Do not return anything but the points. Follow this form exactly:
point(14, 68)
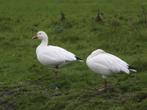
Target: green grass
point(27, 85)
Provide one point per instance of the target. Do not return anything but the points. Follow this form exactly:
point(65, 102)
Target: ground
point(80, 26)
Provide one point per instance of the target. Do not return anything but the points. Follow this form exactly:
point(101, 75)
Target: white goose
point(105, 64)
point(52, 56)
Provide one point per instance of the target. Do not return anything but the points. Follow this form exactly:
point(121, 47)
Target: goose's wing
point(59, 54)
point(111, 62)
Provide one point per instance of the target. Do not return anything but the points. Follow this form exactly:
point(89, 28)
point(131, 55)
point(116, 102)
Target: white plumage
point(53, 56)
point(105, 64)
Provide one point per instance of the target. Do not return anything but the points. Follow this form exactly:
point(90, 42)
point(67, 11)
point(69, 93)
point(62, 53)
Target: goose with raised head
point(52, 56)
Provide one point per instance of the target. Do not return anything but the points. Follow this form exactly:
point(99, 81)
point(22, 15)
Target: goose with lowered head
point(105, 64)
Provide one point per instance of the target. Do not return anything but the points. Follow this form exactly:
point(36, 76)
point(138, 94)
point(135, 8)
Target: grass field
point(27, 85)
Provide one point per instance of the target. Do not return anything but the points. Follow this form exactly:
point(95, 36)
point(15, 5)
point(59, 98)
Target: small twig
point(62, 16)
point(99, 16)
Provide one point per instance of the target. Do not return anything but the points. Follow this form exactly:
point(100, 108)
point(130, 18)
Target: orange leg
point(105, 84)
point(56, 72)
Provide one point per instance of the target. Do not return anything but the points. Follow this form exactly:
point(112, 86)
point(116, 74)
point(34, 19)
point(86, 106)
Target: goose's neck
point(44, 42)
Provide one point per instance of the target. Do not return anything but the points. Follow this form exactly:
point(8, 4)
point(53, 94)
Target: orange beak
point(34, 37)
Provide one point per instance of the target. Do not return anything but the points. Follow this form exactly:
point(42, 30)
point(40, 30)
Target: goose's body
point(52, 56)
point(105, 64)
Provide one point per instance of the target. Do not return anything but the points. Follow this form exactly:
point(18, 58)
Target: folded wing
point(111, 63)
point(59, 54)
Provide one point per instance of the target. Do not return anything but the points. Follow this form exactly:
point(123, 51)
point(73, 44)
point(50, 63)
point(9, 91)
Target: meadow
point(80, 26)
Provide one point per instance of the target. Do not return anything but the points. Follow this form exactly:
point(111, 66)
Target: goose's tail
point(79, 59)
point(132, 69)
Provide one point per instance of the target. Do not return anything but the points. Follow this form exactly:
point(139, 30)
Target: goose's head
point(96, 52)
point(41, 35)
